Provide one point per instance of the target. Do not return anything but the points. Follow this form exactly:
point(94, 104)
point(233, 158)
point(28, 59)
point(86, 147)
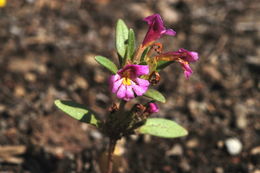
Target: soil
point(47, 51)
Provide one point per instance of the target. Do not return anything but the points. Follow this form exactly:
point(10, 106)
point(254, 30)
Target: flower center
point(126, 81)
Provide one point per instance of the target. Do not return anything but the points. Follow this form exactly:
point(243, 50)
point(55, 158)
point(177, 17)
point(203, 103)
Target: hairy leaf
point(155, 95)
point(121, 37)
point(106, 63)
point(162, 128)
point(77, 111)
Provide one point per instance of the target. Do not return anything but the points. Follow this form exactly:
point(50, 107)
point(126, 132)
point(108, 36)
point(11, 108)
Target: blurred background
point(47, 50)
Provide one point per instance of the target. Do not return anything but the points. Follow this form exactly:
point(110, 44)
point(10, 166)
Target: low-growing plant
point(137, 73)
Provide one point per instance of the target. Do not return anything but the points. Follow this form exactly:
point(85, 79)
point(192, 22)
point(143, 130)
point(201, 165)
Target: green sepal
point(162, 128)
point(121, 38)
point(155, 95)
point(163, 64)
point(77, 111)
point(108, 64)
point(145, 53)
point(131, 44)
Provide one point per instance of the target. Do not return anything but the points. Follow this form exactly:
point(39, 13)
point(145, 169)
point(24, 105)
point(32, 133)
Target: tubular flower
point(152, 108)
point(156, 29)
point(183, 56)
point(126, 83)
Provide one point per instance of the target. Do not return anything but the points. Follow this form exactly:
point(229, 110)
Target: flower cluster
point(133, 78)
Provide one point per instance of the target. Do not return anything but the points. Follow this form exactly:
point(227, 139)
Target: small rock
point(81, 82)
point(30, 77)
point(147, 138)
point(212, 72)
point(241, 115)
point(90, 60)
point(185, 165)
point(96, 134)
point(2, 108)
point(234, 146)
point(176, 150)
point(219, 170)
point(220, 144)
point(193, 143)
point(19, 91)
point(255, 150)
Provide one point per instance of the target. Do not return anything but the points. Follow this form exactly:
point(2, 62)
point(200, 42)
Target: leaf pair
point(153, 126)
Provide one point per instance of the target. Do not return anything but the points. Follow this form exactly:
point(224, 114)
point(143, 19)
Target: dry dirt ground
point(47, 51)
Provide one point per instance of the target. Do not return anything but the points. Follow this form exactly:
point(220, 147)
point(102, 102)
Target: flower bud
point(152, 108)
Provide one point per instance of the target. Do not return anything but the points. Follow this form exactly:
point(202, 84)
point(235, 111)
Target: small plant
point(137, 72)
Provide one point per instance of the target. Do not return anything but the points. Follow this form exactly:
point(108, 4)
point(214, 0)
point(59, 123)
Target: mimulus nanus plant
point(136, 74)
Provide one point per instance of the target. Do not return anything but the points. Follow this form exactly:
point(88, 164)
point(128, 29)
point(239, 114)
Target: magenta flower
point(126, 83)
point(156, 29)
point(152, 108)
point(184, 57)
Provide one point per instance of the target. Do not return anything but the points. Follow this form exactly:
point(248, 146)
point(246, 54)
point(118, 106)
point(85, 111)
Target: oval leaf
point(106, 63)
point(77, 111)
point(155, 95)
point(131, 44)
point(121, 37)
point(162, 128)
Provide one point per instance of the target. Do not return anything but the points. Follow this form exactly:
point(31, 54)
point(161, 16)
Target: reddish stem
point(111, 148)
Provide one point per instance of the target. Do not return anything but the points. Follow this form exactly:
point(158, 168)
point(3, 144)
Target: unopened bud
point(152, 108)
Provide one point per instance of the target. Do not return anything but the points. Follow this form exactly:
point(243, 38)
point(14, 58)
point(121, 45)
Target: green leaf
point(77, 111)
point(155, 95)
point(162, 128)
point(163, 64)
point(106, 63)
point(121, 37)
point(131, 44)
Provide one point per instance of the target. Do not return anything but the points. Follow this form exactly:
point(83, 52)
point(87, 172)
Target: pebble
point(219, 170)
point(96, 134)
point(176, 150)
point(81, 82)
point(192, 143)
point(233, 145)
point(255, 150)
point(241, 115)
point(19, 91)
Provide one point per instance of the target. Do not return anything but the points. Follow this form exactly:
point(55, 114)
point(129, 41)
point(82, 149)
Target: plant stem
point(111, 148)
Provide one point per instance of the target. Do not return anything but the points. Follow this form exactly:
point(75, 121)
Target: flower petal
point(140, 70)
point(188, 55)
point(142, 82)
point(170, 32)
point(121, 93)
point(139, 90)
point(129, 93)
point(156, 29)
point(135, 70)
point(115, 86)
point(152, 18)
point(187, 70)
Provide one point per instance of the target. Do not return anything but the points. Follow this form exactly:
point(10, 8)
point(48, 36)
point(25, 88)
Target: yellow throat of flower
point(126, 81)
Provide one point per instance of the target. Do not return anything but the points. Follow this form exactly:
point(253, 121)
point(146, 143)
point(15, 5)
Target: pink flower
point(152, 108)
point(184, 57)
point(126, 83)
point(156, 29)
